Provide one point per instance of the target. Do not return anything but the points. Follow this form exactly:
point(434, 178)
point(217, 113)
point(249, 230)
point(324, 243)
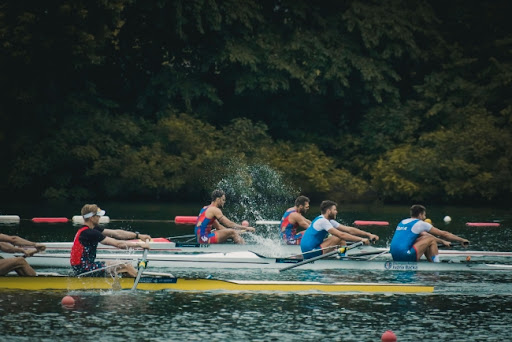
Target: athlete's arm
point(346, 236)
point(224, 222)
point(10, 248)
point(438, 240)
point(17, 241)
point(123, 244)
point(296, 218)
point(449, 236)
point(124, 234)
point(359, 232)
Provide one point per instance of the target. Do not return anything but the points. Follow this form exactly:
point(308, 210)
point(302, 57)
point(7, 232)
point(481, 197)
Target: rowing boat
point(184, 284)
point(275, 250)
point(255, 261)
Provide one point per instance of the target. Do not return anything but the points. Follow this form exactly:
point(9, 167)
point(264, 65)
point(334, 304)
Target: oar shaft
point(313, 251)
point(309, 260)
point(142, 267)
point(357, 244)
point(181, 236)
point(99, 269)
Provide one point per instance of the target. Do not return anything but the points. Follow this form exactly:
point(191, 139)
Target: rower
point(83, 251)
point(324, 224)
point(293, 219)
point(14, 244)
point(211, 216)
point(414, 237)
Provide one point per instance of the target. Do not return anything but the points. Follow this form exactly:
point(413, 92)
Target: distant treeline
point(356, 100)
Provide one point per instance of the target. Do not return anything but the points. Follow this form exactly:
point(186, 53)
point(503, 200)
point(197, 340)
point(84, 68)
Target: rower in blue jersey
point(314, 242)
point(415, 237)
point(293, 219)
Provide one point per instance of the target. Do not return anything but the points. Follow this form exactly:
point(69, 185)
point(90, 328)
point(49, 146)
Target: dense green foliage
point(357, 100)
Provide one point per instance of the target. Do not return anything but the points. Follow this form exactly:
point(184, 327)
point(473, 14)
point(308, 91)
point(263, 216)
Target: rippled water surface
point(463, 307)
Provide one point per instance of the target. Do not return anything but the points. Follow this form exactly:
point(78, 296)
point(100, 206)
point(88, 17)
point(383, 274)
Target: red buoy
point(371, 223)
point(388, 336)
point(185, 219)
point(68, 301)
point(482, 224)
point(50, 219)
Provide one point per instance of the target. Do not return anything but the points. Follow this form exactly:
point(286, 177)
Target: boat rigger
point(152, 283)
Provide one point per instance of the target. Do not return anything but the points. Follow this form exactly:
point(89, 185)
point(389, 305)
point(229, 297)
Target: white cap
point(98, 213)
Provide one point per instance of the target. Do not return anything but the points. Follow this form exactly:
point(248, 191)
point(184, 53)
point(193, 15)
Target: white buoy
point(267, 222)
point(9, 219)
point(447, 219)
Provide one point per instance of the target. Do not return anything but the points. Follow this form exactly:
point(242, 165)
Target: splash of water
point(256, 192)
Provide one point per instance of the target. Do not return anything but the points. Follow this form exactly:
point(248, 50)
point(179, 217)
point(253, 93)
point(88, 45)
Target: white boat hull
point(251, 260)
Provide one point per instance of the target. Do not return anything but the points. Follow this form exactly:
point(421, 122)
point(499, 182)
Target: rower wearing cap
point(83, 252)
point(415, 236)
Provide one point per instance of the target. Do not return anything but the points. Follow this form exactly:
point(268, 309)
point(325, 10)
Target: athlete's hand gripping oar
point(338, 250)
point(142, 266)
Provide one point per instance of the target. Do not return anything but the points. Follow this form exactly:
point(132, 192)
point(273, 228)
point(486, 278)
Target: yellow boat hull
point(200, 285)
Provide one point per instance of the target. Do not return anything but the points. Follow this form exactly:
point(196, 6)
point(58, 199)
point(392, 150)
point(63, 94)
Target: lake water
point(464, 306)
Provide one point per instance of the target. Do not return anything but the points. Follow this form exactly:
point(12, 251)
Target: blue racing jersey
point(316, 233)
point(406, 233)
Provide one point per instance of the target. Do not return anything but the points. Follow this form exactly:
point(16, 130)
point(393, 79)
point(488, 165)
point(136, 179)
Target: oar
point(349, 244)
point(378, 255)
point(142, 266)
point(313, 251)
point(322, 256)
point(181, 236)
point(100, 269)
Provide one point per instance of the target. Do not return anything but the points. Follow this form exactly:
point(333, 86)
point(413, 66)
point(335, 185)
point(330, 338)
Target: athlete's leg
point(18, 264)
point(224, 234)
point(128, 269)
point(331, 243)
point(426, 244)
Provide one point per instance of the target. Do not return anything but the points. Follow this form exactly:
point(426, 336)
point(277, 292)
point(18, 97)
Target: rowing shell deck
point(275, 250)
point(199, 285)
point(252, 260)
